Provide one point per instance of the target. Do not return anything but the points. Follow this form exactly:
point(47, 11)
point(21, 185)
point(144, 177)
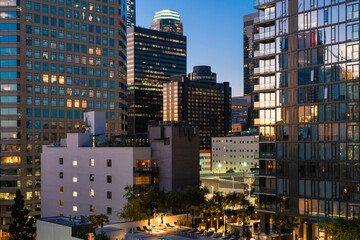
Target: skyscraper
point(308, 110)
point(249, 48)
point(58, 59)
point(201, 102)
point(131, 13)
point(167, 21)
point(153, 56)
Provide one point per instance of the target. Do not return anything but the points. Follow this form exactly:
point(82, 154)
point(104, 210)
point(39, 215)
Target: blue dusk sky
point(214, 30)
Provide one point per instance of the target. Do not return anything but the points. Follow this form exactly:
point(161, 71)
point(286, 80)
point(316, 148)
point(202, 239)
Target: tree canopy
point(342, 229)
point(22, 226)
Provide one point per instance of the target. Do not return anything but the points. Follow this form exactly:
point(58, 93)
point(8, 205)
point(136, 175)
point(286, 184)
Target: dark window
point(61, 175)
point(109, 211)
point(61, 161)
point(109, 195)
point(92, 177)
point(108, 179)
point(108, 163)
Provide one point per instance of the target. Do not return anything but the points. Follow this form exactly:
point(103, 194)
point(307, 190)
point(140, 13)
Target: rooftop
point(66, 221)
point(167, 14)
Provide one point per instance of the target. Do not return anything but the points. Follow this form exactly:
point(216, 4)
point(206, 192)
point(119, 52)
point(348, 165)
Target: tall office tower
point(131, 13)
point(153, 56)
point(309, 110)
point(240, 113)
point(250, 63)
point(167, 21)
point(249, 48)
point(201, 102)
point(58, 59)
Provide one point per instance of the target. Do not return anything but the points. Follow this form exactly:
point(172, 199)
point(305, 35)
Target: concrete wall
point(237, 152)
point(53, 231)
point(176, 149)
point(122, 172)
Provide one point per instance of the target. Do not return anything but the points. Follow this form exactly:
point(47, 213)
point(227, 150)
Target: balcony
point(264, 87)
point(265, 36)
point(266, 19)
point(270, 155)
point(264, 190)
point(264, 53)
point(267, 172)
point(266, 104)
point(264, 70)
point(262, 4)
point(146, 169)
point(267, 138)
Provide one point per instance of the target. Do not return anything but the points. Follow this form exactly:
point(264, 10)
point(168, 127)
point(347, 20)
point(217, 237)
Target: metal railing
point(262, 70)
point(262, 2)
point(264, 35)
point(264, 87)
point(264, 52)
point(265, 18)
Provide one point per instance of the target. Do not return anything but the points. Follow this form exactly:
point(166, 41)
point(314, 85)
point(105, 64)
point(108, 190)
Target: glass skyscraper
point(58, 58)
point(131, 13)
point(153, 56)
point(308, 110)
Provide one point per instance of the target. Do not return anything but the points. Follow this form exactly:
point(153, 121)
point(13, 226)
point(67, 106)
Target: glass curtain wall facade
point(153, 56)
point(308, 108)
point(58, 58)
point(131, 13)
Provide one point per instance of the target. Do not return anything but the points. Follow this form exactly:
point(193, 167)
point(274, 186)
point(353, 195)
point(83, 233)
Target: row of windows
point(45, 31)
point(105, 94)
point(327, 93)
point(327, 16)
point(54, 21)
point(328, 73)
point(54, 57)
point(45, 78)
point(71, 3)
point(234, 150)
point(70, 69)
point(92, 208)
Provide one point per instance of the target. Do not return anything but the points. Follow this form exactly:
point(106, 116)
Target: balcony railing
point(265, 18)
point(264, 35)
point(266, 190)
point(264, 52)
point(265, 104)
point(146, 169)
point(267, 138)
point(258, 3)
point(267, 172)
point(264, 70)
point(260, 87)
point(267, 155)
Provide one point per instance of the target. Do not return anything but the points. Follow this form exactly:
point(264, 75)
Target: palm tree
point(194, 211)
point(219, 206)
point(206, 209)
point(284, 221)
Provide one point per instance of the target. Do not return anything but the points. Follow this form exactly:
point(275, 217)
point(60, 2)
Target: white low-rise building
point(85, 176)
point(79, 179)
point(234, 154)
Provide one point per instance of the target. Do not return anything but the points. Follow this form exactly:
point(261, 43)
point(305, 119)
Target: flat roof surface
point(65, 221)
